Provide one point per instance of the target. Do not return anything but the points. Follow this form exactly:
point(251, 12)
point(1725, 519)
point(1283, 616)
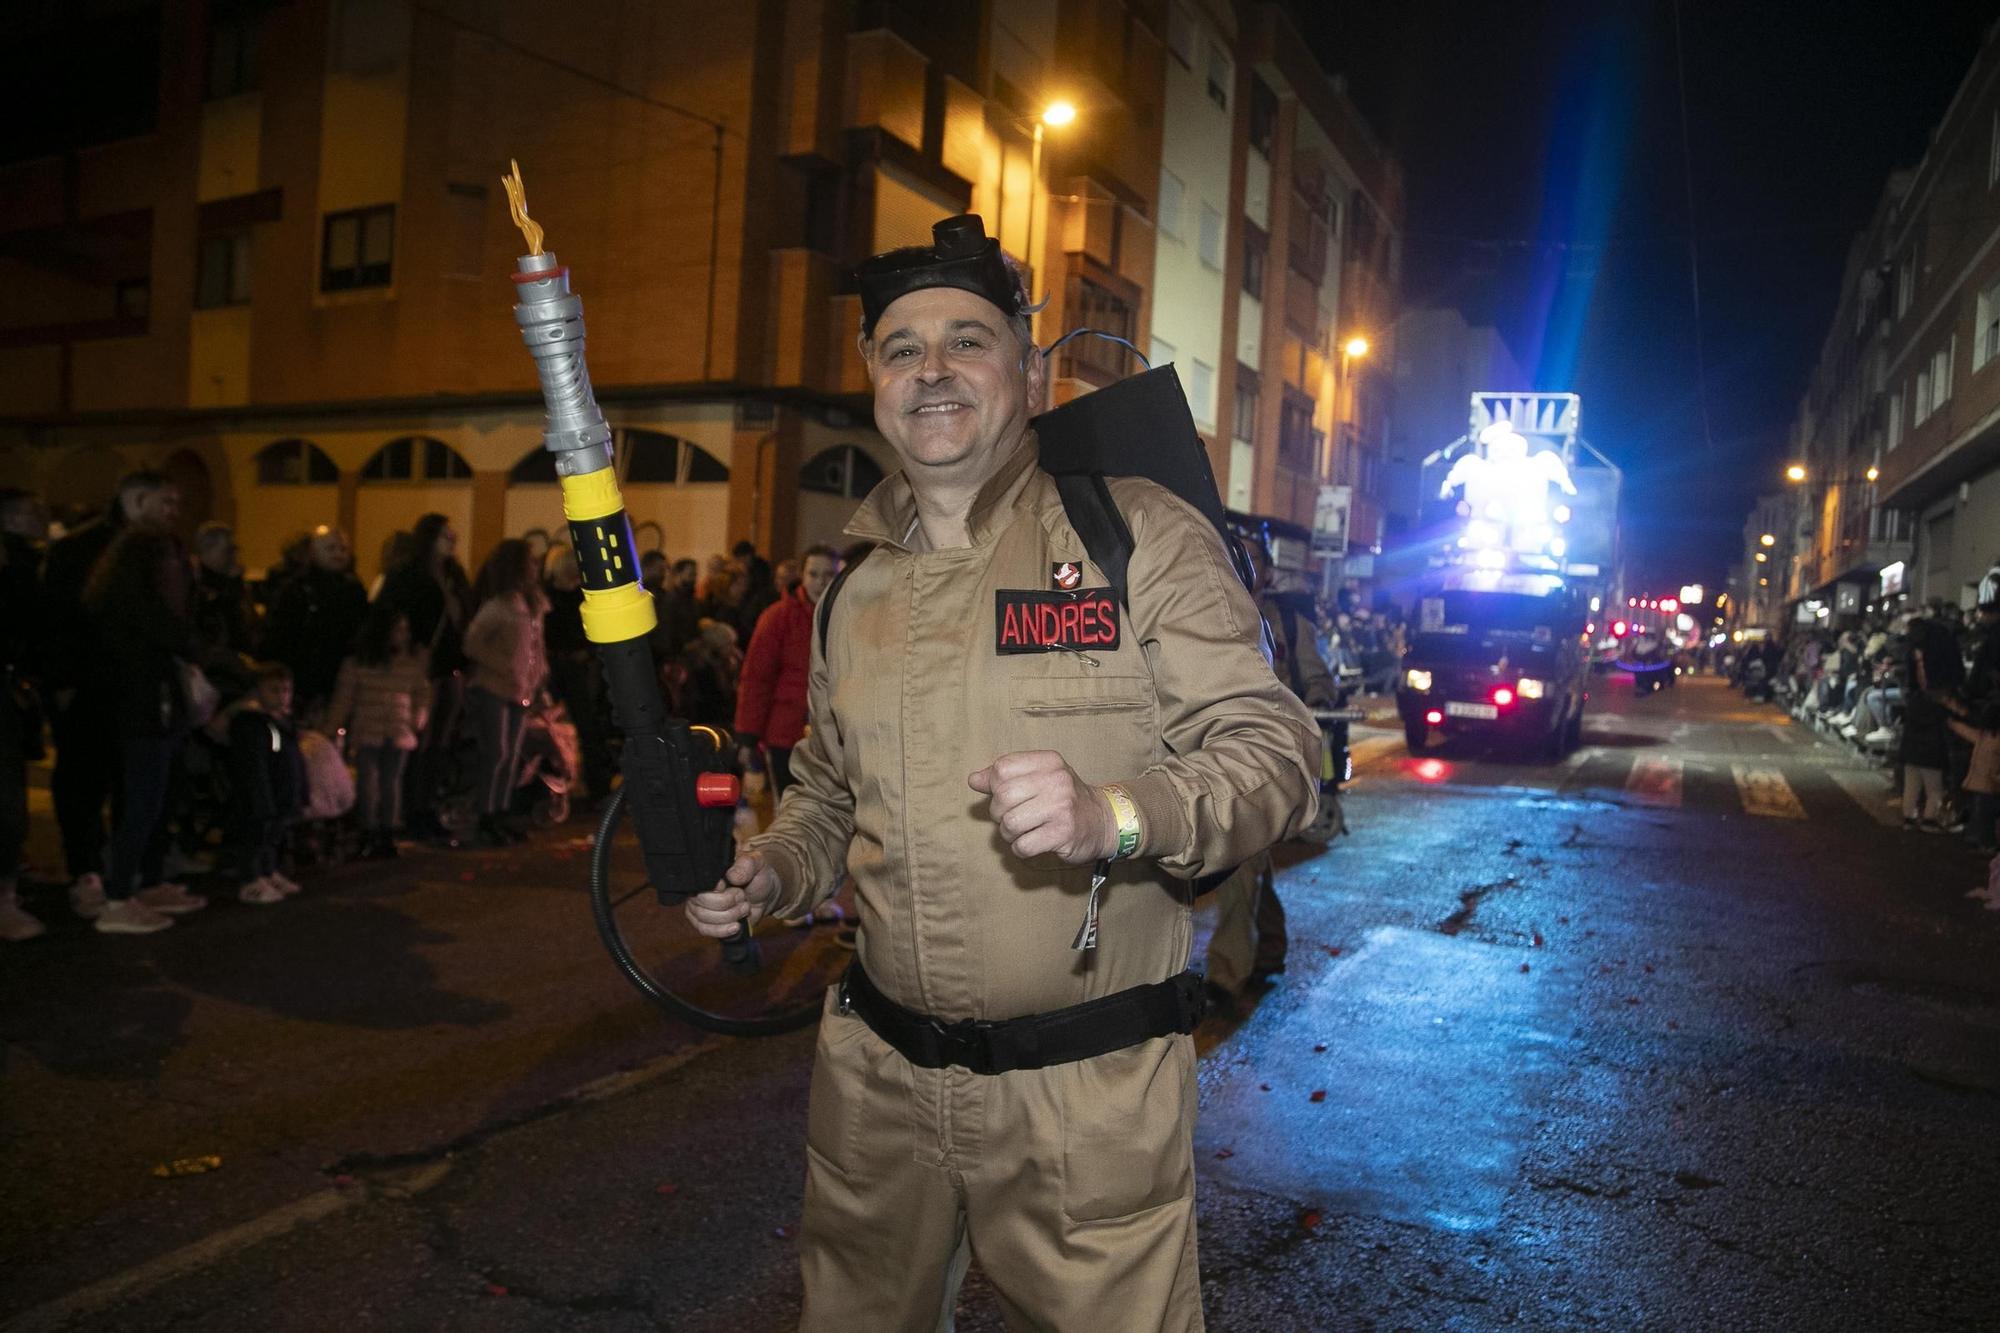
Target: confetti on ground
point(1318, 1095)
point(782, 1233)
point(666, 1189)
point(1224, 1154)
point(1309, 1218)
point(187, 1166)
point(495, 1289)
point(1319, 1048)
point(1524, 967)
point(1263, 1087)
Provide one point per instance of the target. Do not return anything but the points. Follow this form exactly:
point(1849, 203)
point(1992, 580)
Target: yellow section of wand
point(517, 207)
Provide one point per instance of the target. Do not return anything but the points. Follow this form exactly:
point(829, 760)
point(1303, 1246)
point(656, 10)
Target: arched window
point(846, 470)
point(537, 467)
point(295, 463)
point(657, 457)
point(416, 458)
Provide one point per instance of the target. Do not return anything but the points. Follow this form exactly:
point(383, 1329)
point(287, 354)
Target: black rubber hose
point(770, 1025)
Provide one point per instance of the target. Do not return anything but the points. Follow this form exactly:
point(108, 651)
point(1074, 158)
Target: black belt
point(1033, 1041)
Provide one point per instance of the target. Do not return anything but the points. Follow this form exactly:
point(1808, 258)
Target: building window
point(1993, 153)
point(416, 458)
point(1180, 34)
point(537, 467)
point(1094, 306)
point(1211, 236)
point(232, 52)
point(1921, 408)
point(356, 248)
point(1906, 287)
point(1895, 427)
point(1161, 352)
point(1256, 245)
point(661, 458)
point(1244, 427)
point(295, 463)
point(1263, 116)
point(1986, 326)
point(846, 470)
point(1219, 71)
point(1201, 392)
point(1941, 368)
point(222, 270)
point(1295, 431)
point(1170, 203)
point(134, 298)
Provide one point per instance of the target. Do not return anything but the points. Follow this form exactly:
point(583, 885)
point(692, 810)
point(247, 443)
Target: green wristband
point(1127, 816)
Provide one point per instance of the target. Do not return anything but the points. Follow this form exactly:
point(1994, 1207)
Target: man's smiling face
point(953, 382)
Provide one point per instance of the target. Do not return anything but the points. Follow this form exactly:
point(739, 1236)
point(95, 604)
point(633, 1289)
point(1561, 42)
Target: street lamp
point(1873, 474)
point(1355, 348)
point(1767, 540)
point(1056, 115)
point(1796, 472)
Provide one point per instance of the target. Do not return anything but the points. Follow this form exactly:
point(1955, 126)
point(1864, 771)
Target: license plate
point(1487, 712)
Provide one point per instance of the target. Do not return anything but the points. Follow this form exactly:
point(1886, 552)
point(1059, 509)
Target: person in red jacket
point(771, 692)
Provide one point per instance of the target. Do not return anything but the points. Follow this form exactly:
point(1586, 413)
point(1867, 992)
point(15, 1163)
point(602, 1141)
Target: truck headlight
point(1420, 681)
point(1529, 688)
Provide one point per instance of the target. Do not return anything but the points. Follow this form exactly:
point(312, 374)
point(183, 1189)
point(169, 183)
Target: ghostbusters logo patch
point(1066, 575)
point(1027, 620)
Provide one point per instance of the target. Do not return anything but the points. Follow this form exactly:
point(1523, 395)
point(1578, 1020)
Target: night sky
point(1548, 194)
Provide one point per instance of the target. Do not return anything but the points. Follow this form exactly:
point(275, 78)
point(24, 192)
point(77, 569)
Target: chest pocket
point(1103, 725)
point(1069, 695)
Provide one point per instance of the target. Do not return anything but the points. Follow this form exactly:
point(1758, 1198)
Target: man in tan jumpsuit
point(962, 782)
point(1249, 937)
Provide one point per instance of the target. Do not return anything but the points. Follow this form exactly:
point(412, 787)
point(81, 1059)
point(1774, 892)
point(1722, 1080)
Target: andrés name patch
point(1027, 620)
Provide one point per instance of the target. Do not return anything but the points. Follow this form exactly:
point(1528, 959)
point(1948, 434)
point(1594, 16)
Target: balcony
point(1092, 51)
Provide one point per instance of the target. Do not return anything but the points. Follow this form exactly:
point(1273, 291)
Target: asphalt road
point(1683, 1033)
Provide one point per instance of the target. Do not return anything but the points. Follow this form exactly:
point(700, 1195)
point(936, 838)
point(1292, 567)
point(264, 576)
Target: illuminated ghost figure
point(1509, 487)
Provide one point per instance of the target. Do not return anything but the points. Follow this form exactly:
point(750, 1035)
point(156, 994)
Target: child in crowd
point(382, 700)
point(267, 782)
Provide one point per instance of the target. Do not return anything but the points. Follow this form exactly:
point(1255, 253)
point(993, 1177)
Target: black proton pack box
point(1137, 427)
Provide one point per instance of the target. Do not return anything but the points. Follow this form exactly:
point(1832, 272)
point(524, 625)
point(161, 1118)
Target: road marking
point(1655, 780)
point(1869, 792)
point(1368, 750)
point(1765, 792)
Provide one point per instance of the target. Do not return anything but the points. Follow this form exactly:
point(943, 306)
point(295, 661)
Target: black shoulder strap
point(1094, 514)
point(1291, 622)
point(825, 607)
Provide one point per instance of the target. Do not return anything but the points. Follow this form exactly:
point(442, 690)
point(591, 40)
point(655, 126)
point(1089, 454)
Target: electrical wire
point(1694, 234)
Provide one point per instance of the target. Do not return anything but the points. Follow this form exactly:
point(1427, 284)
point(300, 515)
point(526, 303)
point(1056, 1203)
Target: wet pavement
point(1683, 1032)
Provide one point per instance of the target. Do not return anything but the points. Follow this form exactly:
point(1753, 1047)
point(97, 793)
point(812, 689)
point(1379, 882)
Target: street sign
point(1330, 510)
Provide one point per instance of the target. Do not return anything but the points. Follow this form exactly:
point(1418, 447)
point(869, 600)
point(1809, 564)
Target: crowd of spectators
point(1918, 690)
point(201, 720)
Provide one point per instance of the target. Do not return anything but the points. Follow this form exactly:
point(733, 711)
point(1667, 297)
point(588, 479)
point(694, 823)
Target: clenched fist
point(1042, 806)
point(744, 895)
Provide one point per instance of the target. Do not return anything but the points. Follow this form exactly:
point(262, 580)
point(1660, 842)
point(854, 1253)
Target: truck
point(1520, 518)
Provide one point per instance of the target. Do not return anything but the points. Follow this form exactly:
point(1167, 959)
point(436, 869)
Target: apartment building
point(273, 260)
point(1842, 535)
point(1317, 266)
point(1198, 220)
point(1938, 305)
point(286, 279)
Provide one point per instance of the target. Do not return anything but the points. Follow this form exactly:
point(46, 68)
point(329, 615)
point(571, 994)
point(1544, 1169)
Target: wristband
point(1127, 816)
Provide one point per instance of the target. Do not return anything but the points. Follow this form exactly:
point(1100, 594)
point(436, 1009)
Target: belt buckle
point(965, 1043)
